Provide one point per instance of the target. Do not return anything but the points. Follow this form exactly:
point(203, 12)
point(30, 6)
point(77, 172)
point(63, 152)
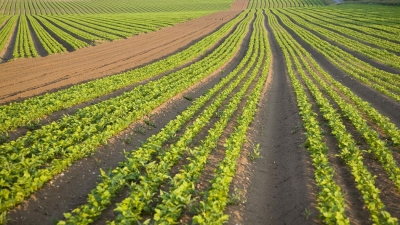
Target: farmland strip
point(13, 116)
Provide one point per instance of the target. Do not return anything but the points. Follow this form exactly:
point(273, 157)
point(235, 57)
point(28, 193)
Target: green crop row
point(261, 4)
point(183, 183)
point(82, 32)
point(384, 82)
point(352, 156)
point(130, 209)
point(65, 36)
point(13, 115)
point(349, 150)
point(346, 21)
point(100, 197)
point(6, 30)
point(48, 42)
point(212, 208)
point(331, 202)
point(24, 46)
point(56, 33)
point(380, 55)
point(366, 36)
point(35, 158)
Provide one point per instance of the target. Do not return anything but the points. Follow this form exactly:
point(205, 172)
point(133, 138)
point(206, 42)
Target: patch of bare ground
point(386, 106)
point(281, 186)
point(351, 52)
point(24, 78)
point(69, 189)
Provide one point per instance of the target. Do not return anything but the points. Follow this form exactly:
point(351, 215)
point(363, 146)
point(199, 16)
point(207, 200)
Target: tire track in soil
point(29, 77)
point(281, 182)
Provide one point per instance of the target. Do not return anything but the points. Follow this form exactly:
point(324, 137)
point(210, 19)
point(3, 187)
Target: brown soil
point(24, 78)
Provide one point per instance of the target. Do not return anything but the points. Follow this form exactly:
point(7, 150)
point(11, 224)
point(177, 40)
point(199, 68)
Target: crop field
point(40, 28)
point(199, 112)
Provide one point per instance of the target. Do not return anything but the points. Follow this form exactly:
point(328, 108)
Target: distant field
point(57, 7)
point(40, 28)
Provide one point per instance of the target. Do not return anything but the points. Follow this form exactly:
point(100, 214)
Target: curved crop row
point(321, 21)
point(68, 38)
point(6, 30)
point(24, 46)
point(349, 151)
point(379, 55)
point(348, 22)
point(330, 199)
point(382, 81)
point(212, 208)
point(48, 42)
point(80, 32)
point(16, 7)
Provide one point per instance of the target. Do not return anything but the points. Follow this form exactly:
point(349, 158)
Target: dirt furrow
point(281, 186)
